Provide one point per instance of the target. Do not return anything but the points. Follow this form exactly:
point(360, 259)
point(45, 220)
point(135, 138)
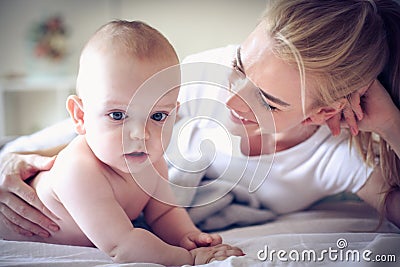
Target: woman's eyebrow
point(267, 96)
point(274, 99)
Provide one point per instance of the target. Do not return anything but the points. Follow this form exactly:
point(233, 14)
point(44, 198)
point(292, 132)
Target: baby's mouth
point(137, 157)
point(137, 154)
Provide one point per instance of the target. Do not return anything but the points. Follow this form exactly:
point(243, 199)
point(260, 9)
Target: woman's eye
point(117, 115)
point(271, 108)
point(265, 103)
point(159, 116)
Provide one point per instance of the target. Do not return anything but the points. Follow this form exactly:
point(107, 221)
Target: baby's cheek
point(158, 149)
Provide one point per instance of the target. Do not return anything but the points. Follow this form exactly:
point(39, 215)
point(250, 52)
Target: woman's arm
point(20, 209)
point(373, 193)
point(381, 116)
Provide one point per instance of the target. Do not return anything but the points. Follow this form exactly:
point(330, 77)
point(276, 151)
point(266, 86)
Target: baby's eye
point(159, 116)
point(117, 115)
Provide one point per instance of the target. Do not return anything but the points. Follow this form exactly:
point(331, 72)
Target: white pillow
point(58, 134)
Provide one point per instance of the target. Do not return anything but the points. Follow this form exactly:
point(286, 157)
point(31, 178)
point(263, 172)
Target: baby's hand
point(219, 252)
point(198, 239)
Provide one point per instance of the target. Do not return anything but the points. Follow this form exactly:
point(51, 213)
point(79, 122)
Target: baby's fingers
point(205, 255)
point(232, 251)
point(203, 239)
point(188, 244)
point(216, 239)
point(225, 252)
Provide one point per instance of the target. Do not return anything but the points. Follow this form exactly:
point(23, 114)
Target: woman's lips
point(236, 118)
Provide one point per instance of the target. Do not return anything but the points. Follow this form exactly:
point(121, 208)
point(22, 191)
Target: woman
point(307, 62)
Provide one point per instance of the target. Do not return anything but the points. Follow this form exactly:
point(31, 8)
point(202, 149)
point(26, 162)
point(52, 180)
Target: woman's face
point(270, 100)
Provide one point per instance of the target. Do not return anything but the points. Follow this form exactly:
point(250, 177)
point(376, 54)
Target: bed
point(338, 231)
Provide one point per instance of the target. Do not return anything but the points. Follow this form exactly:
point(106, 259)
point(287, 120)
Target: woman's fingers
point(19, 202)
point(355, 103)
point(30, 210)
point(334, 124)
point(351, 114)
point(350, 118)
point(5, 222)
point(28, 165)
point(19, 224)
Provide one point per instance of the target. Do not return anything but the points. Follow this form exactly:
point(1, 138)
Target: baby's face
point(130, 108)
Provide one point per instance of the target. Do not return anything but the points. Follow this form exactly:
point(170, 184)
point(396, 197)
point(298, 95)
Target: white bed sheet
point(309, 231)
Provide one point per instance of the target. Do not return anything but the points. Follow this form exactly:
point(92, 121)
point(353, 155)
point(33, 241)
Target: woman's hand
point(20, 208)
point(369, 109)
point(204, 255)
point(380, 113)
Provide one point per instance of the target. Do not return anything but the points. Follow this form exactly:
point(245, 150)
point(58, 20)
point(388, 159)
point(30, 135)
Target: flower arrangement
point(50, 39)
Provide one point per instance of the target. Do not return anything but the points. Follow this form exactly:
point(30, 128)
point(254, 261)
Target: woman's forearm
point(392, 134)
point(49, 152)
point(48, 141)
point(392, 207)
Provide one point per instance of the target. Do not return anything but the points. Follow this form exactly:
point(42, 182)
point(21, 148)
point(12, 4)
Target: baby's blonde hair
point(344, 45)
point(136, 38)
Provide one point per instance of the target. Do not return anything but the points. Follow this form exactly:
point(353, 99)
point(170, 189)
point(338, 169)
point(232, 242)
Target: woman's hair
point(344, 45)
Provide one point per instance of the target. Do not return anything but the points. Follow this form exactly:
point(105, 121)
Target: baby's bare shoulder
point(77, 161)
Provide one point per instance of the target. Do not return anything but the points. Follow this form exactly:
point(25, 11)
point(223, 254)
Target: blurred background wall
point(33, 89)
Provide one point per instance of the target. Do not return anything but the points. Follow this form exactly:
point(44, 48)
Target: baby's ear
point(75, 110)
point(320, 115)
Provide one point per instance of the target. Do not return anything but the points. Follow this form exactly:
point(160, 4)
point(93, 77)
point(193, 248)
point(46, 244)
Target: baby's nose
point(138, 131)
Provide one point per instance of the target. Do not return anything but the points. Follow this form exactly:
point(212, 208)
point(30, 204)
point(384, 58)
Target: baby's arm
point(89, 198)
point(174, 226)
point(173, 223)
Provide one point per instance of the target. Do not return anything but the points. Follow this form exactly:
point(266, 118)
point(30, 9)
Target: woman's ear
point(75, 110)
point(178, 104)
point(320, 115)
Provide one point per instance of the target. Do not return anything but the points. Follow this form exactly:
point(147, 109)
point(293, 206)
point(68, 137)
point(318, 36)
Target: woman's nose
point(237, 103)
point(243, 103)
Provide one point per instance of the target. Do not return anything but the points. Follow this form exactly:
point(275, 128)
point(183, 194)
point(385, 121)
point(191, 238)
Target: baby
point(114, 169)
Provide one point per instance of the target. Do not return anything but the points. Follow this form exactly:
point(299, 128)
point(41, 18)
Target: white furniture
point(30, 103)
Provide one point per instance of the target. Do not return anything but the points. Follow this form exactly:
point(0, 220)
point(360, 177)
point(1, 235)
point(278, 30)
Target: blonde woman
point(307, 63)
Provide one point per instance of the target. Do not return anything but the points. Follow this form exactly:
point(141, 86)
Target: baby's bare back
point(127, 193)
